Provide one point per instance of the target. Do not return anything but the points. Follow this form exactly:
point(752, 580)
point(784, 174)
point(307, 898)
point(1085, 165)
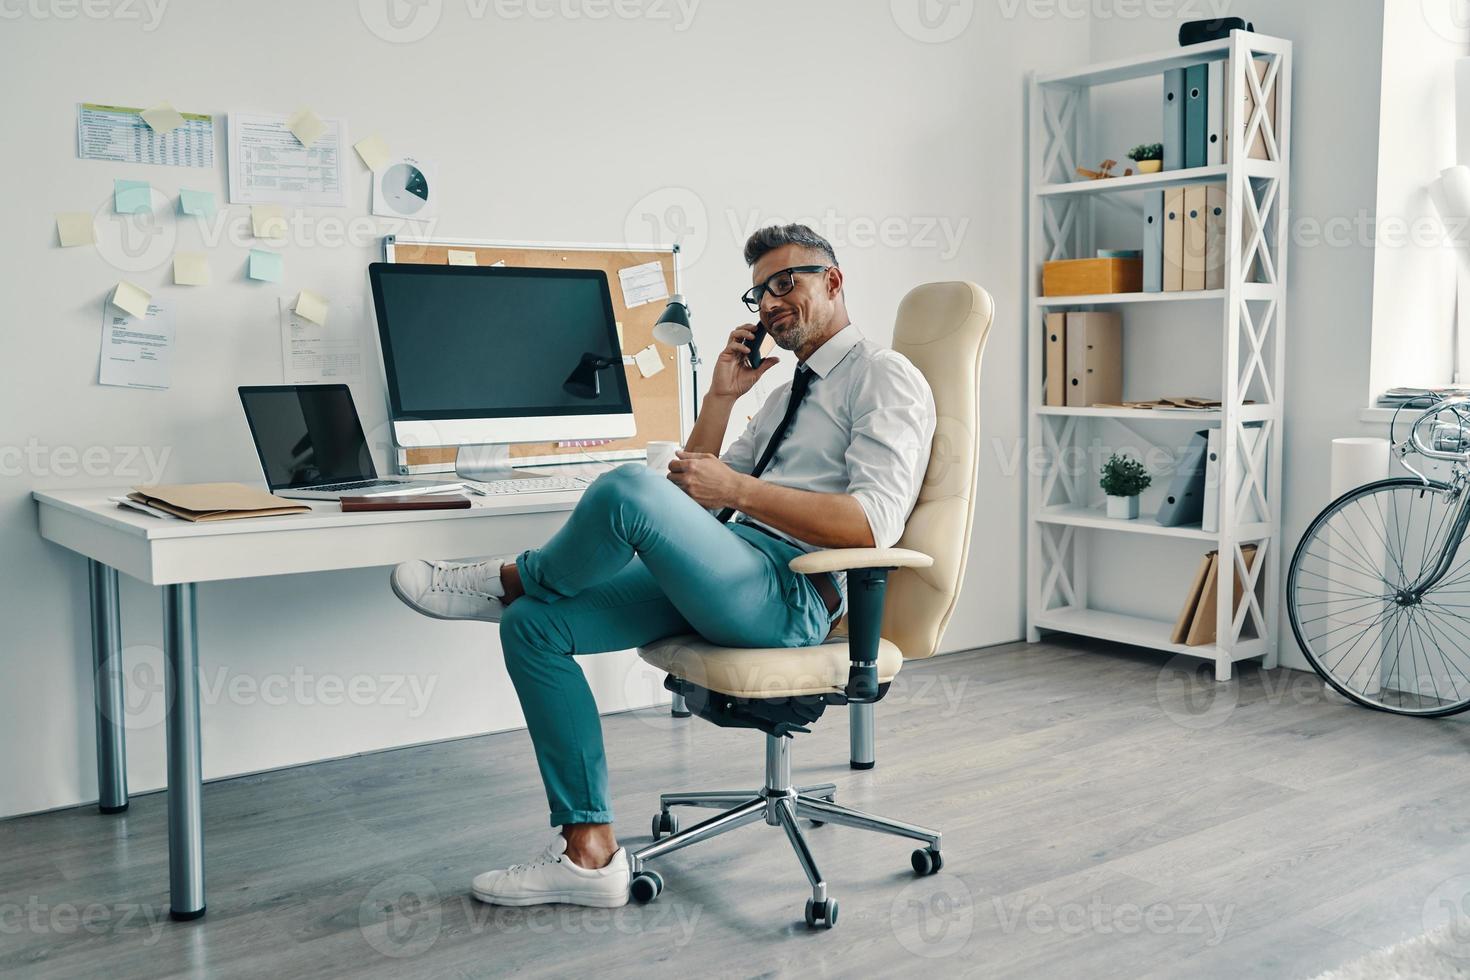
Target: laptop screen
point(307, 435)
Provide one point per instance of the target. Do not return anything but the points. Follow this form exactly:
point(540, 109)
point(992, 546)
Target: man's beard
point(794, 334)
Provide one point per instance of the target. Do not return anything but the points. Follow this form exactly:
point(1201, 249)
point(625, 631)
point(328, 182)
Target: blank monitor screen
point(490, 342)
point(307, 434)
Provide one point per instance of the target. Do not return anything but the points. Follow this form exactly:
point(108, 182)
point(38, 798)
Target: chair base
point(779, 804)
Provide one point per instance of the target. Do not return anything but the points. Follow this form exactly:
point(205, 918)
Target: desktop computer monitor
point(478, 356)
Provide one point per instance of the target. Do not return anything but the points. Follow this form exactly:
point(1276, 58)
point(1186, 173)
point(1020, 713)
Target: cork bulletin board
point(657, 400)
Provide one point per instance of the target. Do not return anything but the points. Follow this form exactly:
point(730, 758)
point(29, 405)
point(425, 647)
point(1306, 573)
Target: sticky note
point(374, 152)
point(457, 257)
point(132, 197)
point(162, 118)
point(75, 228)
point(619, 325)
point(306, 125)
point(268, 220)
point(648, 361)
point(267, 266)
point(191, 269)
point(131, 299)
point(196, 202)
point(312, 307)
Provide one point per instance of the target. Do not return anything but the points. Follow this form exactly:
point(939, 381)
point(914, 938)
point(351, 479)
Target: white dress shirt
point(864, 428)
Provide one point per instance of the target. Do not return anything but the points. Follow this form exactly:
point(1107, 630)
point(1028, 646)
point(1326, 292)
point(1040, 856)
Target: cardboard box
point(1084, 277)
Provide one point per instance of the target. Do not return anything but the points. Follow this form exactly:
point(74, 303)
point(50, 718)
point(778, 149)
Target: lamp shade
point(672, 328)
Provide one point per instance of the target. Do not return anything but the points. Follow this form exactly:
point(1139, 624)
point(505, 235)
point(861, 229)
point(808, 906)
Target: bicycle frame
point(1456, 434)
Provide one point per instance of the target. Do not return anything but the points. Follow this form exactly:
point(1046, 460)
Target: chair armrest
point(843, 559)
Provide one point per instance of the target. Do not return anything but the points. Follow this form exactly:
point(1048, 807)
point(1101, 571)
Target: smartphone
point(754, 357)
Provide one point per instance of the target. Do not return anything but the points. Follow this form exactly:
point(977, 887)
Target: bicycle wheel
point(1362, 630)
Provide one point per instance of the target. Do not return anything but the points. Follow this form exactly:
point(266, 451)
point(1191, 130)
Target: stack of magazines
point(1419, 397)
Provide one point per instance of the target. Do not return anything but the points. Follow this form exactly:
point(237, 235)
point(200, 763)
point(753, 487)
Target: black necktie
point(799, 386)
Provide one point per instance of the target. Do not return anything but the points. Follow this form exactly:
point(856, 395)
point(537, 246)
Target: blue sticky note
point(132, 197)
point(267, 266)
point(196, 202)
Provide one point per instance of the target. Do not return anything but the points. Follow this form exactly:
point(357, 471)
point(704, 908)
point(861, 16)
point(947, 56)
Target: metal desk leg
point(678, 708)
point(107, 685)
point(185, 772)
point(860, 735)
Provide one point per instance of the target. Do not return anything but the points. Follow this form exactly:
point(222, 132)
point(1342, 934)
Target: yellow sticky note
point(162, 118)
point(312, 307)
point(191, 269)
point(268, 220)
point(648, 361)
point(306, 125)
point(131, 299)
point(75, 228)
point(458, 257)
point(374, 152)
point(619, 325)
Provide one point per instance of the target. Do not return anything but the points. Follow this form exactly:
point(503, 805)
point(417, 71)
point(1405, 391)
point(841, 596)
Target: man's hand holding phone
point(733, 375)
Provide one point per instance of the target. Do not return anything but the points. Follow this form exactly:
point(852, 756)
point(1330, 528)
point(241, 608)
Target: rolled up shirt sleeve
point(893, 421)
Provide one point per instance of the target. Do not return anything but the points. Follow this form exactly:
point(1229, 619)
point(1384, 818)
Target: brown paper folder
point(1056, 359)
point(1202, 629)
point(215, 501)
point(1215, 236)
point(1173, 239)
point(1205, 572)
point(1094, 359)
point(1194, 237)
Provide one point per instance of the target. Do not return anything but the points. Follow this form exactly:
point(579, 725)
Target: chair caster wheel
point(664, 824)
point(645, 887)
point(926, 861)
point(821, 915)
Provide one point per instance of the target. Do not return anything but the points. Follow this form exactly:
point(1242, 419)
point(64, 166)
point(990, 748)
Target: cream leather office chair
point(941, 328)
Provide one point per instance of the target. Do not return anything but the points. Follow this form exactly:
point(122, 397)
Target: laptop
point(311, 445)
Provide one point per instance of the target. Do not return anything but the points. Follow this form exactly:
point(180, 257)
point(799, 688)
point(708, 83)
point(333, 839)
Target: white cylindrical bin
point(1355, 461)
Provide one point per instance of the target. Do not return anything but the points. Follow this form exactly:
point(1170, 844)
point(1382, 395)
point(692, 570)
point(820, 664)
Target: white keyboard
point(541, 484)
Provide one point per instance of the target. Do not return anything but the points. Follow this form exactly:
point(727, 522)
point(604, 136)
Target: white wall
point(1337, 47)
point(564, 128)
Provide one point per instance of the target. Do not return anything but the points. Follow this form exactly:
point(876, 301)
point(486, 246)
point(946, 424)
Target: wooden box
point(1083, 277)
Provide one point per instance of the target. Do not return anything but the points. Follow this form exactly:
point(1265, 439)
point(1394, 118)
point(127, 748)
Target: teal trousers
point(638, 560)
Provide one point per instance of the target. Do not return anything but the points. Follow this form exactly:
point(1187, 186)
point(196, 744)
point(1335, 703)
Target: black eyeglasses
point(779, 284)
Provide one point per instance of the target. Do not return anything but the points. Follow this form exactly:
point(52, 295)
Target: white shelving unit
point(1064, 524)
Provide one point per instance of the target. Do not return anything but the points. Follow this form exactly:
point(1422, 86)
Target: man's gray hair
point(775, 236)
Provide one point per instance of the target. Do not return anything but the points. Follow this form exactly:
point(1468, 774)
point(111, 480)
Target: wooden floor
point(1105, 814)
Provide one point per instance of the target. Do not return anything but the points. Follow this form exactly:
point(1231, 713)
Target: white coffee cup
point(660, 455)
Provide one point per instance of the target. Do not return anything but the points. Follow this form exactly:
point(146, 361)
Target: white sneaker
point(554, 878)
point(452, 589)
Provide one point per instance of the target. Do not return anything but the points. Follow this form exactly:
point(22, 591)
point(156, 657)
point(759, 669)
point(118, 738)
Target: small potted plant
point(1123, 479)
point(1148, 156)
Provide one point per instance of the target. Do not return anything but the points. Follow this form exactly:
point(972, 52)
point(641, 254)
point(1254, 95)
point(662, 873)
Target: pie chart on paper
point(403, 189)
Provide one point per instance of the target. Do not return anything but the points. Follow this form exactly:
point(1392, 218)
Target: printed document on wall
point(136, 350)
point(643, 284)
point(313, 352)
point(269, 164)
point(120, 134)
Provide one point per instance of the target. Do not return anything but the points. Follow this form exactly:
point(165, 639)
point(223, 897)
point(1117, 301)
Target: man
point(645, 556)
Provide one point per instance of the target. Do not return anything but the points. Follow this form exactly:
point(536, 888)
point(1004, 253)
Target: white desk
point(177, 555)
